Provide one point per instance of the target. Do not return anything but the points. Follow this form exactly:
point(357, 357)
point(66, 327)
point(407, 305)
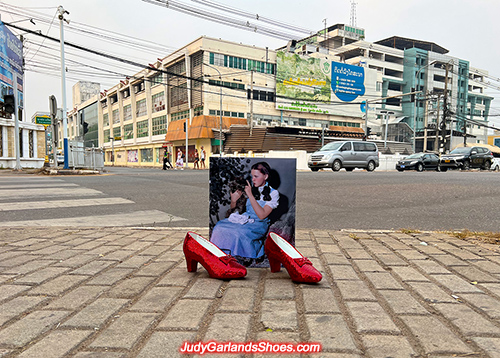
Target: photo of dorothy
point(250, 197)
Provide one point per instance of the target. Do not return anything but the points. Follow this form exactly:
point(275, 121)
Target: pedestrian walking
point(202, 157)
point(180, 159)
point(196, 159)
point(166, 160)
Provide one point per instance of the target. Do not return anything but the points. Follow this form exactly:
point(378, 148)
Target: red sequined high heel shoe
point(279, 251)
point(217, 263)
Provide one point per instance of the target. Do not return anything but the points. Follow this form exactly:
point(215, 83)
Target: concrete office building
point(140, 117)
point(407, 65)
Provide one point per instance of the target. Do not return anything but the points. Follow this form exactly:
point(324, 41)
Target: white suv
point(495, 164)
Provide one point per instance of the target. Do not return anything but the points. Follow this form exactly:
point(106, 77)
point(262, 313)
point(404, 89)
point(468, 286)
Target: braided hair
point(265, 169)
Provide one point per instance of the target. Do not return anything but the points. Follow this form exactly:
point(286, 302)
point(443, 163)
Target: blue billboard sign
point(348, 81)
point(11, 50)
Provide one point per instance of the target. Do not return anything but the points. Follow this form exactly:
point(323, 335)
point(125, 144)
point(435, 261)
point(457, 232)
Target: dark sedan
point(419, 162)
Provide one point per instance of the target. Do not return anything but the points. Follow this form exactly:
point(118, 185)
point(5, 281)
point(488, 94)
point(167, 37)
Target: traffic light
point(9, 103)
point(85, 127)
point(368, 131)
point(184, 126)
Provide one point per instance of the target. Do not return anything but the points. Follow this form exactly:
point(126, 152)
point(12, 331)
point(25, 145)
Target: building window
point(159, 125)
point(198, 111)
point(158, 102)
point(179, 115)
point(126, 93)
point(127, 112)
point(156, 79)
point(147, 155)
point(139, 87)
point(141, 108)
point(106, 136)
point(105, 120)
point(241, 63)
point(142, 129)
point(31, 144)
point(116, 116)
point(117, 133)
point(128, 131)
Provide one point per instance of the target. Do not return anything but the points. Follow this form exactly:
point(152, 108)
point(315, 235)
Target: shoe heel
point(192, 265)
point(274, 264)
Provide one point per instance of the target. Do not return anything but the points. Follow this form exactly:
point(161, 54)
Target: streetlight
point(220, 123)
point(415, 102)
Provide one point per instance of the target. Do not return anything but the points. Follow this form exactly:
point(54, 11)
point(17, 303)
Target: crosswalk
point(48, 201)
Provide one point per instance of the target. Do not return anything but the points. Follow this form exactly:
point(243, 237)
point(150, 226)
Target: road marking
point(33, 193)
point(39, 185)
point(135, 218)
point(54, 204)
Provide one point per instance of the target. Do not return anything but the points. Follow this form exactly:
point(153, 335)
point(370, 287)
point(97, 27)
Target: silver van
point(346, 154)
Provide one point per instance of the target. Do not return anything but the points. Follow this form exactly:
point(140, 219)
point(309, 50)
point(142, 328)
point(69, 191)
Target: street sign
point(43, 120)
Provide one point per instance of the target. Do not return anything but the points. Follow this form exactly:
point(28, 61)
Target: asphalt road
point(452, 200)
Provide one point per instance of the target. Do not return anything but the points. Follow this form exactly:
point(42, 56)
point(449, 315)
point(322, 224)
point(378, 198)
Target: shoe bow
point(303, 261)
point(227, 259)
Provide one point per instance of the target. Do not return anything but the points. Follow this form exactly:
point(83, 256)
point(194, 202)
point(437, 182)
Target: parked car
point(495, 164)
point(467, 157)
point(419, 162)
point(345, 154)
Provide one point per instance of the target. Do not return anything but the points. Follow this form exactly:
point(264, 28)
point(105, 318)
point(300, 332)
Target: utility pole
point(63, 85)
point(442, 125)
point(251, 102)
point(436, 140)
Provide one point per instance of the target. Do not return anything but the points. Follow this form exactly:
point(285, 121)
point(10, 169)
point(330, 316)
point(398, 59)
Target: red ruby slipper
point(279, 251)
point(217, 263)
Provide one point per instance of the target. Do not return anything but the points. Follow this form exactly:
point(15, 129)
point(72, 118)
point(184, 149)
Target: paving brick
point(186, 314)
point(8, 291)
point(76, 298)
point(204, 288)
point(75, 261)
point(474, 274)
point(430, 249)
point(319, 300)
point(92, 268)
point(391, 260)
point(17, 306)
point(130, 287)
point(464, 254)
point(468, 321)
point(177, 277)
point(156, 299)
point(412, 255)
point(456, 284)
point(7, 277)
point(56, 344)
point(331, 331)
point(156, 269)
point(28, 328)
point(49, 250)
point(488, 266)
point(382, 280)
point(487, 304)
point(18, 260)
point(358, 254)
point(434, 336)
point(228, 327)
point(42, 275)
point(354, 290)
point(329, 248)
point(120, 255)
point(388, 346)
point(449, 260)
point(135, 262)
point(408, 274)
point(251, 279)
point(401, 302)
point(490, 345)
point(280, 289)
point(162, 342)
point(111, 276)
point(29, 267)
point(58, 285)
point(368, 265)
point(125, 331)
point(343, 272)
point(101, 251)
point(279, 314)
point(238, 299)
point(430, 267)
point(371, 317)
point(96, 314)
point(431, 293)
point(335, 259)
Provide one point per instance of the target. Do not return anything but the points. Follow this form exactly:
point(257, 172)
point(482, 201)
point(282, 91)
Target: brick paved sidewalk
point(126, 293)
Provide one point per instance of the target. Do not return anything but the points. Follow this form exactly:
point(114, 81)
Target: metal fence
point(86, 158)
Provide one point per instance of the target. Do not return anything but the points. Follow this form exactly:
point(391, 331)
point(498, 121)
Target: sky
point(467, 28)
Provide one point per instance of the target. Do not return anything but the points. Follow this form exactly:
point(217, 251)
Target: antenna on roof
point(353, 14)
